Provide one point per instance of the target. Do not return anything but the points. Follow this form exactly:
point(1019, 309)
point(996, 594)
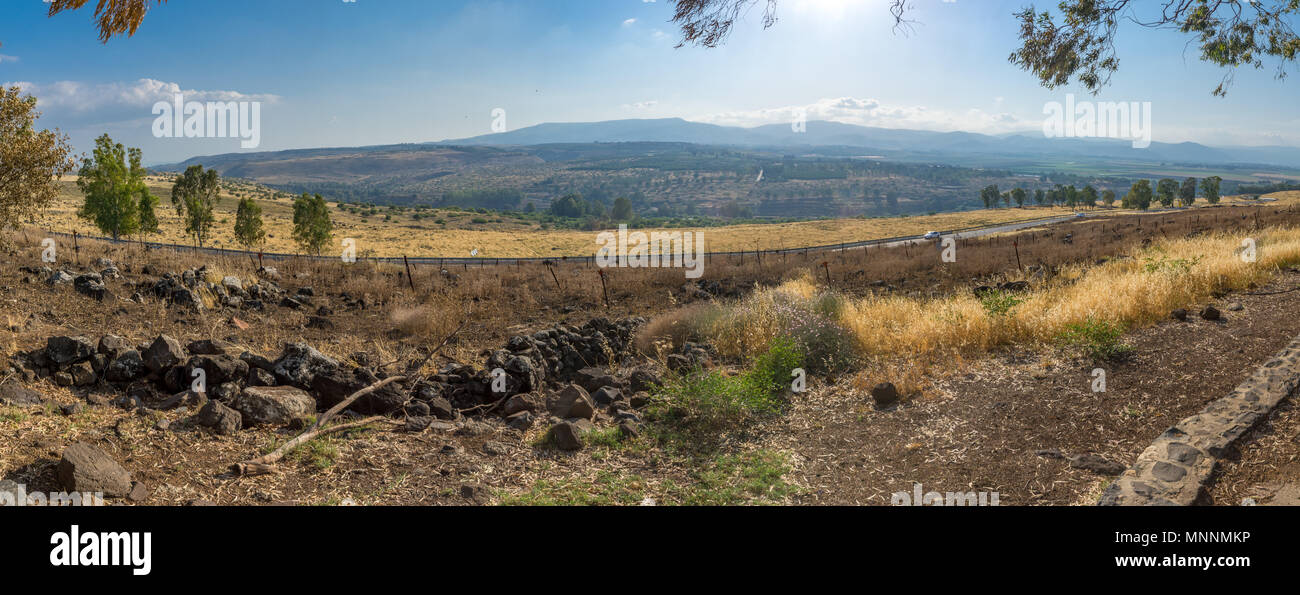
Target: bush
point(999, 303)
point(1099, 339)
point(695, 409)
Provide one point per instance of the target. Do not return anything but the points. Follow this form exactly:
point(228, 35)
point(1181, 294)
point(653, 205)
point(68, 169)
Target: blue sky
point(336, 73)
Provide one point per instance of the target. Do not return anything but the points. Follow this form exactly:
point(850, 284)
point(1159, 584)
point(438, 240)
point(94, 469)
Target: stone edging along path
point(1178, 466)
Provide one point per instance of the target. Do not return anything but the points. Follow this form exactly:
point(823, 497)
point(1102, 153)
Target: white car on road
point(933, 235)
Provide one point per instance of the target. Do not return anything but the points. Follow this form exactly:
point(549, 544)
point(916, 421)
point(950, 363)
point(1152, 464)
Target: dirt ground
point(982, 429)
point(978, 430)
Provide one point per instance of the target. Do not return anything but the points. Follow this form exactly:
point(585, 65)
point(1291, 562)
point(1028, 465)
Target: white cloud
point(641, 105)
point(870, 112)
point(629, 22)
point(83, 98)
point(4, 58)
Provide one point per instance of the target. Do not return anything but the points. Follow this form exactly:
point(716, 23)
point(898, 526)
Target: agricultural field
point(457, 233)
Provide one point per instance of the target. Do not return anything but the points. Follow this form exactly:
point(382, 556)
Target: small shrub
point(999, 303)
point(694, 410)
point(1099, 339)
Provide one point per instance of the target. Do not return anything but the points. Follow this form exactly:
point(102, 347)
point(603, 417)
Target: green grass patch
point(1099, 339)
point(696, 409)
point(999, 303)
point(13, 414)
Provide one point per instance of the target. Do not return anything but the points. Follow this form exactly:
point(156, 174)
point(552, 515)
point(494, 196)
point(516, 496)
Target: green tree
point(1040, 197)
point(248, 224)
point(31, 162)
point(570, 206)
point(113, 184)
point(195, 194)
point(148, 214)
point(1019, 196)
point(1187, 194)
point(622, 210)
point(1088, 196)
point(312, 227)
point(1210, 188)
point(1139, 196)
point(1167, 189)
point(990, 196)
point(1108, 198)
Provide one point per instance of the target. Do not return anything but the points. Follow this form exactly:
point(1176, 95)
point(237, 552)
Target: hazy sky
point(365, 72)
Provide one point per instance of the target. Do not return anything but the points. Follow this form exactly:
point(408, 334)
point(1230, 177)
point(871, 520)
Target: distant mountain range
point(886, 142)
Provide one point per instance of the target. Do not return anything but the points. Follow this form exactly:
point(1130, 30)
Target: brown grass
point(459, 236)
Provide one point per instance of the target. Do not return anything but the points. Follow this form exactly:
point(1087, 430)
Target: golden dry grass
point(507, 239)
point(905, 338)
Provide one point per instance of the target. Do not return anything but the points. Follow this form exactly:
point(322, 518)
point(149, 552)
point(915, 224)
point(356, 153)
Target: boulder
point(300, 363)
point(273, 405)
point(65, 351)
point(524, 402)
point(126, 367)
point(331, 387)
point(163, 354)
point(12, 393)
point(113, 345)
point(221, 419)
point(1211, 313)
point(573, 402)
point(85, 468)
point(218, 369)
point(521, 421)
point(83, 374)
point(885, 394)
point(213, 347)
point(606, 396)
point(567, 436)
point(91, 285)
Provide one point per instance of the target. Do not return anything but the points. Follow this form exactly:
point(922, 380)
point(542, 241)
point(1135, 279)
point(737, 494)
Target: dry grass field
point(905, 316)
point(462, 232)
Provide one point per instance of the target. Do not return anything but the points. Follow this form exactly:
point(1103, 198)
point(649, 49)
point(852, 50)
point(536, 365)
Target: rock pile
point(559, 373)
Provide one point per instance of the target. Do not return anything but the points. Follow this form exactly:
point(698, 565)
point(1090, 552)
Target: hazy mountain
point(881, 140)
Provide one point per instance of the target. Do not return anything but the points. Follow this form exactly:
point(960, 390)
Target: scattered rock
point(139, 493)
point(273, 405)
point(320, 323)
point(221, 419)
point(1235, 307)
point(91, 285)
point(1097, 464)
point(566, 436)
point(606, 396)
point(65, 351)
point(1179, 314)
point(12, 393)
point(300, 363)
point(85, 468)
point(521, 421)
point(885, 394)
point(164, 353)
point(1211, 313)
point(573, 401)
point(494, 448)
point(127, 366)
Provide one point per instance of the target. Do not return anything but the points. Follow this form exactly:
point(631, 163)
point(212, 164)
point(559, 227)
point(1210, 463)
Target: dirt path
point(1266, 469)
point(982, 428)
